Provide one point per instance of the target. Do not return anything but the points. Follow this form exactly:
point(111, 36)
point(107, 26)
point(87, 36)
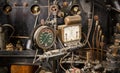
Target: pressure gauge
point(75, 10)
point(35, 9)
point(70, 33)
point(44, 37)
point(7, 9)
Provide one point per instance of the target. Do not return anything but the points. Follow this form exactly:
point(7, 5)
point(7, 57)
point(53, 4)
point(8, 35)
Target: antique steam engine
point(61, 36)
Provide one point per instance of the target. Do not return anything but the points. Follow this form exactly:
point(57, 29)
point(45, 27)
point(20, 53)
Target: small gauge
point(54, 9)
point(75, 9)
point(44, 37)
point(35, 9)
point(7, 9)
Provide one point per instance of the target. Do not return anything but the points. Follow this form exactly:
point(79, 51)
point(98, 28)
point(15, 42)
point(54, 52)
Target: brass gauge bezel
point(37, 34)
point(54, 8)
point(73, 11)
point(35, 9)
point(7, 9)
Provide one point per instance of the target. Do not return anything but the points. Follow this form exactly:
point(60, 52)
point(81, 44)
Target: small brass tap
point(19, 46)
point(9, 47)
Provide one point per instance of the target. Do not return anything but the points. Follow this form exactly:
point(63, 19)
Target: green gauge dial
point(44, 37)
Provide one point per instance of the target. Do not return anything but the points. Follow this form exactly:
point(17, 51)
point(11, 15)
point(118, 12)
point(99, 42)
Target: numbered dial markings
point(44, 37)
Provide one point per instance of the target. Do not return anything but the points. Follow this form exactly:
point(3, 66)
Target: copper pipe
point(20, 37)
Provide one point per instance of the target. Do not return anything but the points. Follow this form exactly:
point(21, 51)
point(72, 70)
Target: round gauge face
point(35, 9)
point(44, 37)
point(75, 10)
point(7, 9)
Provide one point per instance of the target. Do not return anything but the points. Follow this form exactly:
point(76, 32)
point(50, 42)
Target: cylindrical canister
point(72, 20)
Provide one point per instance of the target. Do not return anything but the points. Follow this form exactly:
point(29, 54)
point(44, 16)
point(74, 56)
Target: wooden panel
point(21, 69)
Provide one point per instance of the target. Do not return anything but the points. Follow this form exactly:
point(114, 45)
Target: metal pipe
point(117, 4)
point(2, 38)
